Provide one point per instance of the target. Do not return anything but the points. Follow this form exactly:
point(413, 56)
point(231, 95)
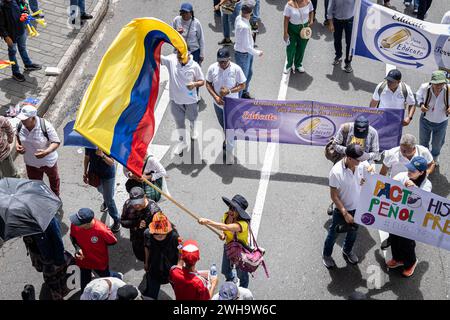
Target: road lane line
point(267, 166)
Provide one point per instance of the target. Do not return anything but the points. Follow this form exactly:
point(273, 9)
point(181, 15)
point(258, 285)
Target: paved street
point(290, 204)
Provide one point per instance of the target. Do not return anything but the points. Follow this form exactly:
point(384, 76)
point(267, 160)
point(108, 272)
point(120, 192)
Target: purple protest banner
point(305, 122)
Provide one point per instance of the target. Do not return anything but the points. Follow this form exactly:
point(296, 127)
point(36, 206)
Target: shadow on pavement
point(300, 81)
point(345, 79)
point(217, 26)
point(318, 30)
point(15, 91)
point(440, 183)
point(279, 4)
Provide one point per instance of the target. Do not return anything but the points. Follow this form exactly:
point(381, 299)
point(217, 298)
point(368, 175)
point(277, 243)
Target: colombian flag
point(5, 64)
point(117, 110)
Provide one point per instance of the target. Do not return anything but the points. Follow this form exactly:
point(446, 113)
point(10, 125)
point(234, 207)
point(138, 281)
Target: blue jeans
point(245, 61)
point(227, 269)
point(228, 21)
point(21, 45)
point(350, 238)
point(416, 3)
point(255, 17)
point(33, 5)
point(86, 275)
point(326, 9)
point(432, 131)
point(80, 4)
point(106, 188)
point(50, 244)
point(220, 119)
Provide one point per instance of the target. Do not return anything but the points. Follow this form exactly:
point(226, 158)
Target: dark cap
point(223, 54)
point(240, 204)
point(394, 75)
point(355, 151)
point(186, 7)
point(361, 127)
point(83, 216)
point(247, 8)
point(127, 292)
point(137, 196)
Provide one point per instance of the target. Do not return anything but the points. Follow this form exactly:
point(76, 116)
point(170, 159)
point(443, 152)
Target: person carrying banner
point(184, 78)
point(396, 94)
point(424, 6)
point(345, 180)
point(298, 15)
point(340, 20)
point(403, 249)
point(433, 99)
point(235, 225)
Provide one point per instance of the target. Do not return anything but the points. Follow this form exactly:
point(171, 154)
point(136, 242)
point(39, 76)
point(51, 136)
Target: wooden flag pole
point(193, 215)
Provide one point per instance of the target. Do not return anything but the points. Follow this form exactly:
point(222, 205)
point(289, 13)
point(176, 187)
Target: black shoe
point(33, 67)
point(344, 228)
point(386, 243)
point(330, 209)
point(246, 95)
point(86, 16)
point(18, 77)
point(115, 227)
point(225, 42)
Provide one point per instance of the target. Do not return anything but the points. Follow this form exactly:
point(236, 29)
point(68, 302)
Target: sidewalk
point(56, 46)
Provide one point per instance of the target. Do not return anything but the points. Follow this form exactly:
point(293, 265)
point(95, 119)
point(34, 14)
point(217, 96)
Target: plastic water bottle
point(213, 270)
point(235, 277)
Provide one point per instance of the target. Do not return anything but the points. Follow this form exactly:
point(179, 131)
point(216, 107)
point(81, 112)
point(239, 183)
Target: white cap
point(97, 289)
point(28, 111)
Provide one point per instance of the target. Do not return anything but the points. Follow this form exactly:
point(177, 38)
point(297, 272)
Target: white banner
point(386, 204)
point(382, 34)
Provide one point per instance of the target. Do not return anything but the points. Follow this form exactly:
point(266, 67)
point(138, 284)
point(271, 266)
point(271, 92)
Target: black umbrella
point(26, 207)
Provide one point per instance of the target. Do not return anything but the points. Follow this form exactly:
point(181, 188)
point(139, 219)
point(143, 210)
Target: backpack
point(384, 84)
point(428, 98)
point(244, 257)
point(42, 124)
point(330, 153)
point(229, 6)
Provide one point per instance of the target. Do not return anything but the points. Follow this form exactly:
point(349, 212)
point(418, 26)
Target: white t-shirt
point(154, 165)
point(394, 100)
point(180, 76)
point(298, 15)
point(34, 140)
point(244, 294)
point(229, 78)
point(98, 289)
point(446, 18)
point(437, 109)
point(348, 183)
point(403, 177)
point(395, 161)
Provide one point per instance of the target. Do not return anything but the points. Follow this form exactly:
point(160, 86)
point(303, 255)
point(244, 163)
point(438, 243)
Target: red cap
point(190, 252)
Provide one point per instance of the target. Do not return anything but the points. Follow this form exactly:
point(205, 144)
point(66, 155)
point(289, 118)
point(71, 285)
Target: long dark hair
point(418, 182)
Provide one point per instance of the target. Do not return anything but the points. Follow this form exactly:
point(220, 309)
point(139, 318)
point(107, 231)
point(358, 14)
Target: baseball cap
point(438, 77)
point(361, 127)
point(160, 224)
point(356, 152)
point(186, 7)
point(137, 196)
point(97, 290)
point(190, 252)
point(28, 111)
point(83, 216)
point(223, 54)
point(127, 292)
point(394, 75)
point(417, 164)
point(228, 291)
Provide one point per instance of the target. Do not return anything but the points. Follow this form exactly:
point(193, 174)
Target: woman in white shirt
point(298, 14)
point(153, 172)
point(403, 249)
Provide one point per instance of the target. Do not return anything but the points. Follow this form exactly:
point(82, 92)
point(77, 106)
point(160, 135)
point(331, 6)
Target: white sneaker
point(287, 70)
point(194, 131)
point(301, 69)
point(179, 148)
point(436, 161)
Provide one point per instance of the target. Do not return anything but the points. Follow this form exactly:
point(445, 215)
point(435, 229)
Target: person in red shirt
point(91, 239)
point(186, 281)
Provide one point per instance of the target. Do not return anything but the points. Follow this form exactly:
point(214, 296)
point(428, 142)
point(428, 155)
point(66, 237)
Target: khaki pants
point(7, 168)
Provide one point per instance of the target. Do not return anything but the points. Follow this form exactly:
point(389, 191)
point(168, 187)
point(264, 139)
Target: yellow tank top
point(241, 236)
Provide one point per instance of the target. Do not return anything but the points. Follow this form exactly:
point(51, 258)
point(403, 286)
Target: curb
point(70, 58)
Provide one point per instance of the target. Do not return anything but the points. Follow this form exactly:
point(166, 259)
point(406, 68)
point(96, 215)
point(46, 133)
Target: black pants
point(403, 250)
point(424, 5)
point(341, 26)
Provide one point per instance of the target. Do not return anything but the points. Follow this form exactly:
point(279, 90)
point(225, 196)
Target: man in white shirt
point(394, 93)
point(244, 49)
point(345, 180)
point(433, 99)
point(224, 79)
point(37, 140)
point(184, 79)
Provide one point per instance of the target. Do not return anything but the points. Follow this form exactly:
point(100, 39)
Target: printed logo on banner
point(402, 44)
point(315, 128)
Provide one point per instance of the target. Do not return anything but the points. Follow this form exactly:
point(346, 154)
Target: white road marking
point(267, 166)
